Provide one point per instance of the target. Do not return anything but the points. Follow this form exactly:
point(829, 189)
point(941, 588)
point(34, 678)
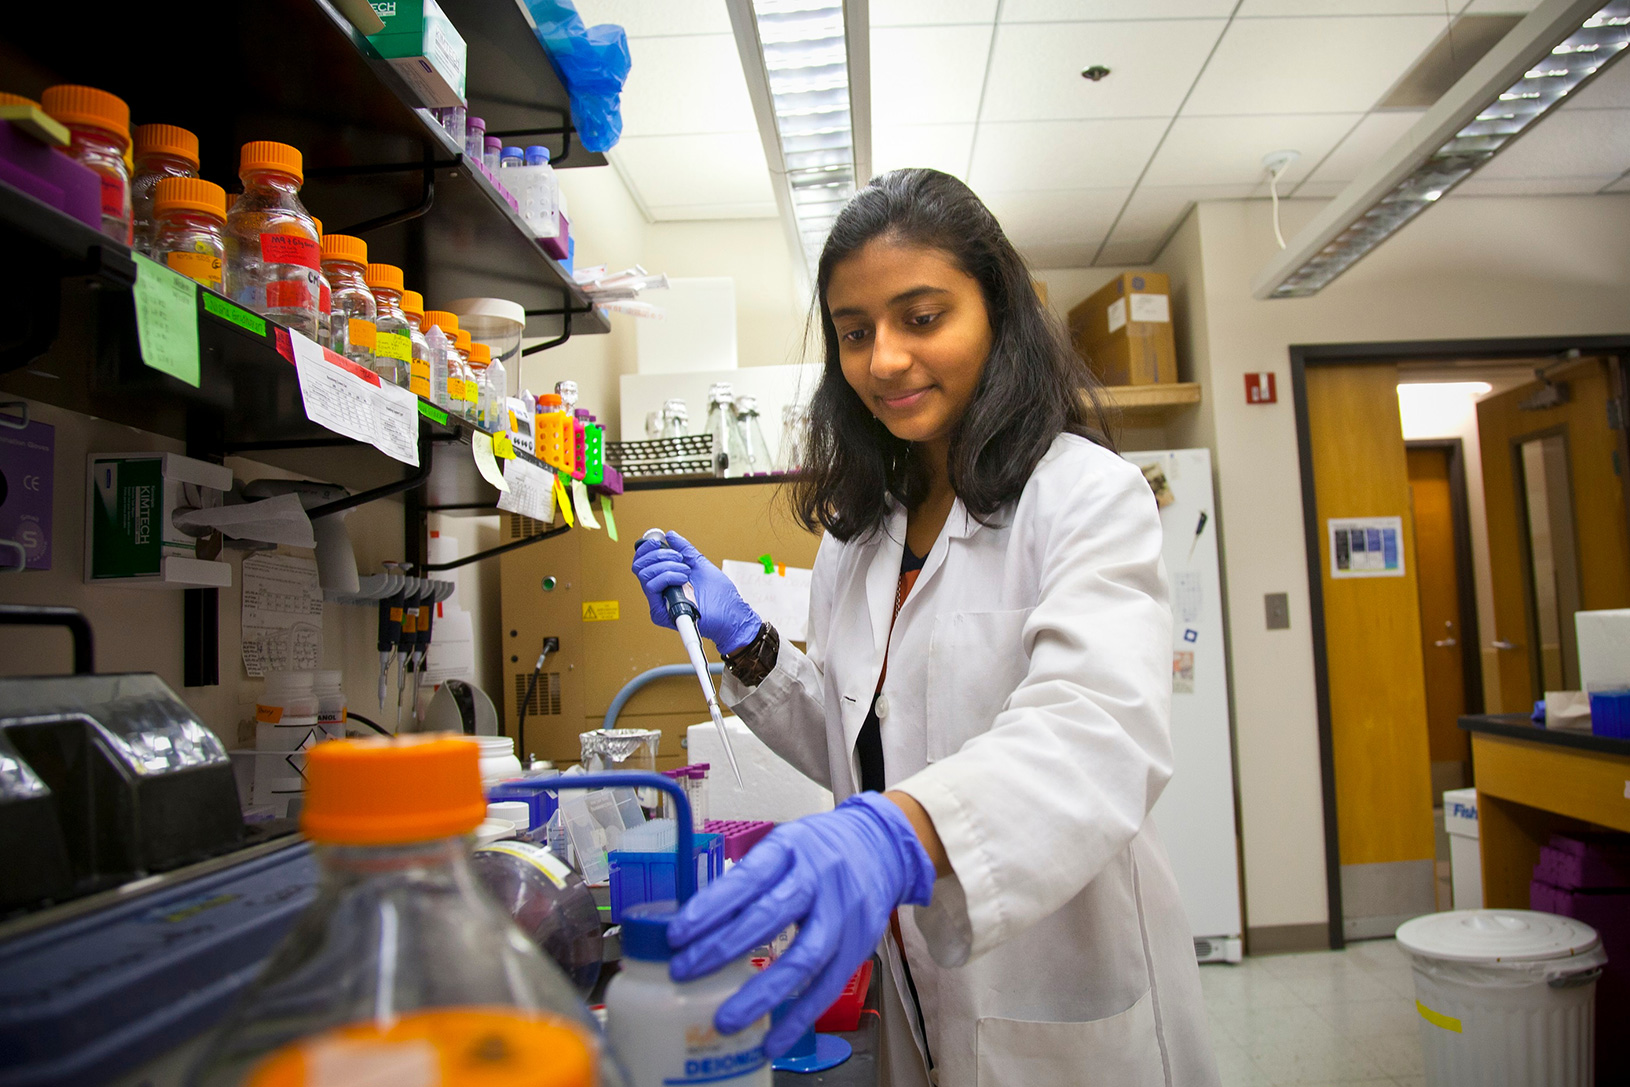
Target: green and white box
point(425, 49)
point(130, 534)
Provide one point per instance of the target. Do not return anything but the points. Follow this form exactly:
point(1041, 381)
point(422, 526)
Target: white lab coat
point(1026, 707)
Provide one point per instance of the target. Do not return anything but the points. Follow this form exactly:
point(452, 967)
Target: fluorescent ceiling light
point(1558, 47)
point(807, 66)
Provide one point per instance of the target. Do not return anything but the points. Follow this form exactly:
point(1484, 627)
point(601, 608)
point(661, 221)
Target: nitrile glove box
point(424, 48)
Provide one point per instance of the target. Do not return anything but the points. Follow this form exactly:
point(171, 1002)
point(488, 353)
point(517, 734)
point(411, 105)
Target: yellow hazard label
point(596, 611)
point(1438, 1019)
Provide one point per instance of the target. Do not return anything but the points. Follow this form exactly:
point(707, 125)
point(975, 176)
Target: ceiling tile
point(1257, 8)
point(1368, 141)
point(642, 18)
point(1309, 65)
point(1229, 150)
point(933, 75)
point(1035, 71)
point(1018, 157)
point(930, 12)
point(1610, 90)
point(1321, 190)
point(1124, 254)
point(939, 147)
point(1477, 185)
point(1155, 209)
point(687, 212)
point(1070, 11)
point(1059, 254)
point(1621, 185)
point(717, 169)
point(1500, 7)
point(1061, 217)
point(684, 85)
point(1568, 143)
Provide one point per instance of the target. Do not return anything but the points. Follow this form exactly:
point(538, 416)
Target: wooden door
point(1372, 631)
point(1555, 500)
point(1438, 569)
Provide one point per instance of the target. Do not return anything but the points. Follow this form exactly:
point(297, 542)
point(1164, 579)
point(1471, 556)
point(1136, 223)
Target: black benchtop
point(1519, 726)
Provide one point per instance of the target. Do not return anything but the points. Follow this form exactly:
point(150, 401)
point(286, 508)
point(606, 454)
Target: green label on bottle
point(239, 316)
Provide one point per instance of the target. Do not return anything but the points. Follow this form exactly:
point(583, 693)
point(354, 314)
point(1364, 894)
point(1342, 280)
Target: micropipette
point(683, 613)
point(390, 631)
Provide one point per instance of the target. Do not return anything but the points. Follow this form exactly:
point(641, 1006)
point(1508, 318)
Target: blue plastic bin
point(536, 795)
point(649, 877)
point(1610, 713)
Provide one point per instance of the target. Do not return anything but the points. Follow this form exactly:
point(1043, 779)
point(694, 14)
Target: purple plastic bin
point(739, 835)
point(50, 176)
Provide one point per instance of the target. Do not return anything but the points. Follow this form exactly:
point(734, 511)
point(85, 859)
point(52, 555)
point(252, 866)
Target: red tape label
point(290, 249)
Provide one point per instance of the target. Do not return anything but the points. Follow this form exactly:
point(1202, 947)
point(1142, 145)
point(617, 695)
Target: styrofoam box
point(1604, 648)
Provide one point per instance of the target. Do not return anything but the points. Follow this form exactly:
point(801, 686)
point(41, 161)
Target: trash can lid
point(1493, 936)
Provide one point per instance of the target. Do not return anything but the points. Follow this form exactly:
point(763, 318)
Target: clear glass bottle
point(419, 368)
point(345, 260)
point(402, 955)
point(756, 456)
point(393, 343)
point(189, 228)
point(480, 395)
point(325, 298)
point(99, 124)
point(459, 376)
point(567, 391)
point(721, 427)
point(360, 345)
point(794, 424)
point(273, 259)
point(161, 151)
point(442, 357)
point(675, 419)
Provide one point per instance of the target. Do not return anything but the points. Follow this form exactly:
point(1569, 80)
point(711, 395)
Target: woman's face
point(913, 336)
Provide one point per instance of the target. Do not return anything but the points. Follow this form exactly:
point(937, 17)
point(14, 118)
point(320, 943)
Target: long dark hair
point(1033, 388)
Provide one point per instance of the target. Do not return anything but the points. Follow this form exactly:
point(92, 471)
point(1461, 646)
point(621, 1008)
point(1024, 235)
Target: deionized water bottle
point(161, 151)
point(403, 970)
point(273, 259)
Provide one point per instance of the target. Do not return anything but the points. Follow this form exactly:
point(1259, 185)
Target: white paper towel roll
point(772, 788)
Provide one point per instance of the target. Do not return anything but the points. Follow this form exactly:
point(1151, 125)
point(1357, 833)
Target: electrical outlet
point(1277, 606)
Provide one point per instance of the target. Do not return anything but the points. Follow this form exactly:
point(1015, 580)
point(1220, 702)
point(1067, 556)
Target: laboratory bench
point(1533, 782)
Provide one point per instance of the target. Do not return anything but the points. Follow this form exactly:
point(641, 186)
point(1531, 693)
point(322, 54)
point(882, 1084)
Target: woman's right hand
point(722, 616)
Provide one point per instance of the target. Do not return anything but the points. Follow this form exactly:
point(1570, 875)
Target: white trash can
point(1507, 998)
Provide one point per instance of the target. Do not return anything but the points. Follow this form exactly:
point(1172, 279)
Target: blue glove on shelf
point(838, 876)
point(722, 616)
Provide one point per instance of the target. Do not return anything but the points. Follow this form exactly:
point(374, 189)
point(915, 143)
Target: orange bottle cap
point(87, 107)
point(344, 247)
point(189, 194)
point(550, 400)
point(363, 332)
point(413, 302)
point(388, 276)
point(480, 353)
point(461, 339)
point(167, 140)
point(452, 1047)
point(440, 318)
point(260, 155)
point(9, 99)
point(390, 791)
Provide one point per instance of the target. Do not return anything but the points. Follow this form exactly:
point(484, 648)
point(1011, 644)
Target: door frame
point(1471, 657)
point(1525, 548)
point(1303, 356)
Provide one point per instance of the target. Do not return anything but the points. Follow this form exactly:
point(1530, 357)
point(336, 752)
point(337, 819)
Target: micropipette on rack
point(683, 613)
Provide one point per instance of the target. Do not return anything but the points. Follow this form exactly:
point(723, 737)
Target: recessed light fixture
point(1094, 73)
point(1545, 58)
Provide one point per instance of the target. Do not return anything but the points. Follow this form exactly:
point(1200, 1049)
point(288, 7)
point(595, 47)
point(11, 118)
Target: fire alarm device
point(1261, 389)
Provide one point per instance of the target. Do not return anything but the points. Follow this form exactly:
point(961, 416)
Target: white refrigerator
point(1195, 814)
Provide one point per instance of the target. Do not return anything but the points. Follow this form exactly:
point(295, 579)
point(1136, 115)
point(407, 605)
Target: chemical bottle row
point(738, 444)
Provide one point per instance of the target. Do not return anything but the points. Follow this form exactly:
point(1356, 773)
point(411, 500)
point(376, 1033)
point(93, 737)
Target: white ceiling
point(1084, 173)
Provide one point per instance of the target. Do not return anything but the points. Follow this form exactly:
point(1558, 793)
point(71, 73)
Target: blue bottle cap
point(512, 153)
point(537, 155)
point(645, 931)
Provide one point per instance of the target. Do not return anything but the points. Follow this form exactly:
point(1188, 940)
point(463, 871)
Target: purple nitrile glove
point(838, 876)
point(722, 616)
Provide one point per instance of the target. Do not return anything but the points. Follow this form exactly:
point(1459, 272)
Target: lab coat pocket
point(975, 660)
point(1120, 1051)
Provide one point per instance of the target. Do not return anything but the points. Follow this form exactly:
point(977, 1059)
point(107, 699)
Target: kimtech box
point(1124, 330)
point(130, 534)
point(424, 48)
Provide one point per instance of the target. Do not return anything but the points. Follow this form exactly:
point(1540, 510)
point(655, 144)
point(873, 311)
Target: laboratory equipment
point(188, 229)
point(495, 414)
point(498, 761)
point(390, 634)
point(459, 375)
point(728, 451)
point(475, 138)
point(331, 709)
point(440, 328)
point(739, 836)
point(325, 296)
point(496, 322)
point(756, 457)
point(549, 902)
point(683, 614)
point(492, 147)
point(393, 339)
point(161, 151)
point(99, 126)
point(675, 419)
point(478, 391)
point(344, 264)
point(458, 706)
point(399, 944)
point(419, 369)
point(273, 259)
point(641, 868)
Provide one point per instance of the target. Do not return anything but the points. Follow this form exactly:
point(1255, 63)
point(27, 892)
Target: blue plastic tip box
point(535, 793)
point(649, 877)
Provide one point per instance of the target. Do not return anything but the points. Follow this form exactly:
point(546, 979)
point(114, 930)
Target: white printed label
point(352, 401)
point(535, 855)
point(1117, 314)
point(531, 491)
point(1151, 307)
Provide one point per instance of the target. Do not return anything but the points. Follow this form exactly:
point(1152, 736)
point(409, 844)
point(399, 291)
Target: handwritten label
point(205, 268)
point(530, 492)
point(291, 249)
point(167, 320)
point(581, 504)
point(481, 447)
point(239, 316)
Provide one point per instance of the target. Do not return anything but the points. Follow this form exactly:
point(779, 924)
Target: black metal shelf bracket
point(564, 131)
point(514, 545)
point(427, 198)
point(413, 479)
point(566, 312)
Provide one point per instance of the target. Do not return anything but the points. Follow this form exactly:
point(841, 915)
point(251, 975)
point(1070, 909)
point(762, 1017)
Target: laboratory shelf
point(1141, 402)
point(297, 71)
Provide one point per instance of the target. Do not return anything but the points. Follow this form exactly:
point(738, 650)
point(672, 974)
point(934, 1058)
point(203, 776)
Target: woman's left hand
point(838, 876)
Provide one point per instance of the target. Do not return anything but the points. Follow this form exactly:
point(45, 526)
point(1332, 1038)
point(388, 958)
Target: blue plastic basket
point(649, 877)
point(1610, 713)
point(535, 794)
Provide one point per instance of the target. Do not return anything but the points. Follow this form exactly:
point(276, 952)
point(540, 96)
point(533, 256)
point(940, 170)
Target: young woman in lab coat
point(985, 690)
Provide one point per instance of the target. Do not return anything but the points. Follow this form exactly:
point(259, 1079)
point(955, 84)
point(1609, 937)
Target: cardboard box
point(421, 44)
point(130, 534)
point(1124, 330)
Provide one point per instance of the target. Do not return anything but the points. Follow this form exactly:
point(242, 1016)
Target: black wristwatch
point(755, 660)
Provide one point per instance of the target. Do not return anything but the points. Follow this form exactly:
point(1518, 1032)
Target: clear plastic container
point(326, 684)
point(161, 151)
point(439, 329)
point(273, 258)
point(286, 712)
point(492, 149)
point(662, 1030)
point(189, 228)
point(496, 322)
point(539, 194)
point(475, 138)
point(419, 368)
point(549, 902)
point(511, 158)
point(393, 343)
point(403, 967)
point(99, 124)
point(480, 363)
point(345, 261)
